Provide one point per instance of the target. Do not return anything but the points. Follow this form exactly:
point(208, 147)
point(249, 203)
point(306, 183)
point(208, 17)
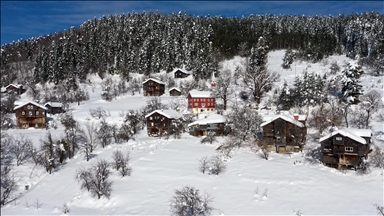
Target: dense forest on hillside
point(146, 43)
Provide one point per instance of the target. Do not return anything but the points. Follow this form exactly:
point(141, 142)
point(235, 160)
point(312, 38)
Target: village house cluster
point(280, 133)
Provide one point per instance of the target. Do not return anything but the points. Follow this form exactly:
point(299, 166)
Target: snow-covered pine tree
point(351, 89)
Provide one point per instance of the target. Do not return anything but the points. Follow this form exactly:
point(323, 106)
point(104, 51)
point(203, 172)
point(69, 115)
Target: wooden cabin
point(18, 89)
point(181, 74)
point(153, 87)
point(174, 92)
point(346, 147)
point(211, 122)
point(54, 107)
point(159, 122)
point(201, 102)
point(30, 114)
point(283, 133)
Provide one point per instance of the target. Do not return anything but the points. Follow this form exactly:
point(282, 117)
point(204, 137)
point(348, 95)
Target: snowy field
point(282, 185)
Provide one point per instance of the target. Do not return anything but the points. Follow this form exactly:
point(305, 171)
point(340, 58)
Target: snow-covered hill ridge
point(251, 185)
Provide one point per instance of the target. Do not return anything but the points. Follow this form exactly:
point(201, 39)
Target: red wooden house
point(201, 102)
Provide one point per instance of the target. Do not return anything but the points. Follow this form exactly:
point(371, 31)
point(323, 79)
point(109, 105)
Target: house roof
point(174, 88)
point(14, 85)
point(210, 119)
point(154, 80)
point(30, 102)
point(352, 133)
point(171, 114)
point(54, 104)
point(181, 70)
point(269, 119)
point(200, 94)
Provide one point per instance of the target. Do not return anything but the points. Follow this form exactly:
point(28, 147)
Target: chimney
point(296, 116)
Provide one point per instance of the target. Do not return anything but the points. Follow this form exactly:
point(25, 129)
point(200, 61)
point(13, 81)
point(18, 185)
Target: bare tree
point(379, 209)
point(104, 133)
point(8, 184)
point(222, 89)
point(244, 123)
point(227, 146)
point(188, 201)
point(371, 102)
point(217, 165)
point(264, 150)
point(376, 158)
point(48, 148)
point(121, 162)
point(98, 113)
point(90, 136)
point(95, 179)
point(259, 81)
point(5, 147)
point(204, 164)
point(20, 148)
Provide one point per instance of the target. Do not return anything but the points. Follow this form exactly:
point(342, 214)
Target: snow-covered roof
point(210, 119)
point(54, 104)
point(200, 94)
point(154, 80)
point(301, 117)
point(172, 114)
point(14, 85)
point(30, 102)
point(174, 88)
point(353, 133)
point(269, 119)
point(178, 69)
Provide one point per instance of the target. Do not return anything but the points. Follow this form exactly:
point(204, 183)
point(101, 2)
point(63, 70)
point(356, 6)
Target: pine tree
point(351, 89)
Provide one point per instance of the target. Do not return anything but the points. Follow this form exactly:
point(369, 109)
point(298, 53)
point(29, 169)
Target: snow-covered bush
point(188, 201)
point(8, 184)
point(289, 56)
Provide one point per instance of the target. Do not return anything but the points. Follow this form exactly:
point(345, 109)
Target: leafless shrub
point(20, 148)
point(121, 162)
point(379, 209)
point(217, 165)
point(204, 164)
point(264, 151)
point(227, 146)
point(376, 157)
point(188, 201)
point(65, 209)
point(38, 204)
point(98, 113)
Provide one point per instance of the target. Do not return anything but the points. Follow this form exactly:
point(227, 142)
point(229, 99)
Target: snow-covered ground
point(282, 185)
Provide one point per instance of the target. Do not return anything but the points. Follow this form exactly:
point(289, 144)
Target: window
point(339, 138)
point(150, 118)
point(349, 149)
point(23, 113)
point(30, 113)
point(30, 107)
point(195, 104)
point(37, 112)
point(152, 124)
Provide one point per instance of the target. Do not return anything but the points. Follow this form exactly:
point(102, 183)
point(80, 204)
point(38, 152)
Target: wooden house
point(30, 114)
point(153, 87)
point(212, 122)
point(283, 133)
point(18, 89)
point(54, 107)
point(159, 122)
point(181, 74)
point(201, 102)
point(174, 92)
point(346, 147)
